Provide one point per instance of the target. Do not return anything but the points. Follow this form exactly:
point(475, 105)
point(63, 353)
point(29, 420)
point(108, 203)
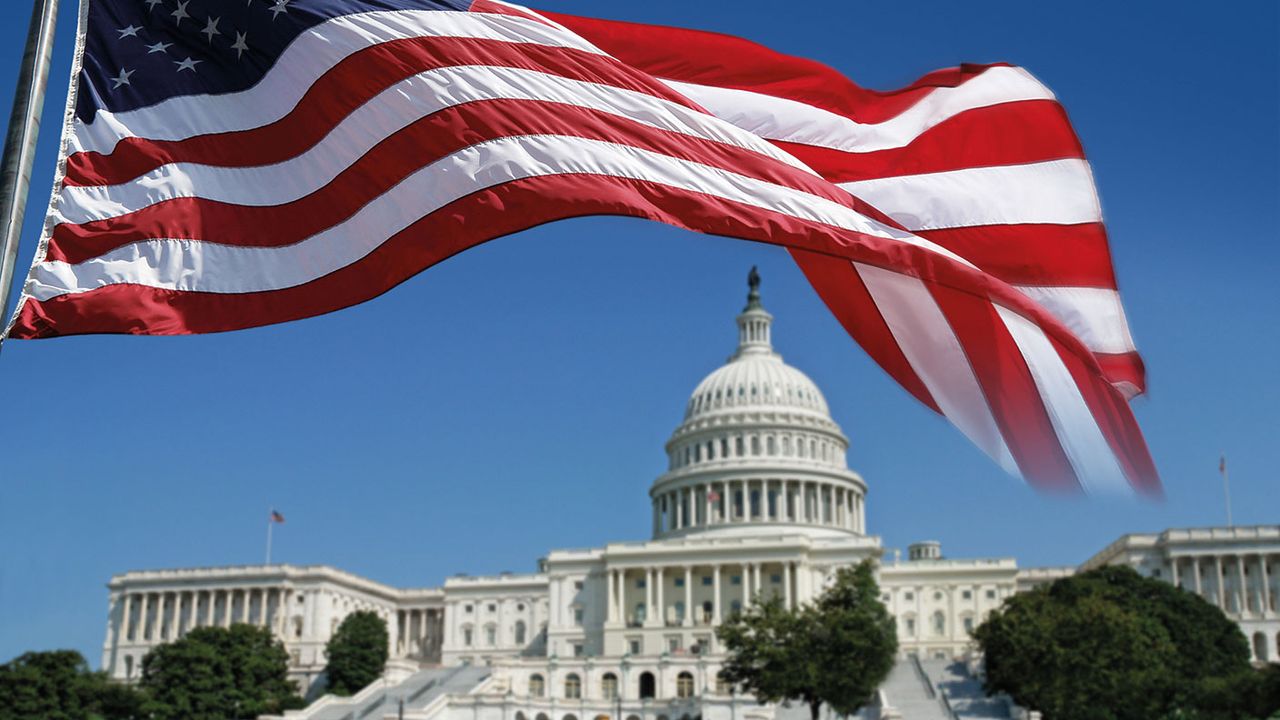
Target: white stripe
point(308, 57)
point(1090, 454)
point(931, 346)
point(792, 121)
point(1095, 315)
point(207, 266)
point(1057, 192)
point(391, 110)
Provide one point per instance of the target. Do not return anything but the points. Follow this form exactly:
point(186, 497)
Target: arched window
point(786, 445)
point(711, 450)
point(684, 685)
point(939, 623)
point(772, 445)
point(491, 635)
point(521, 716)
point(647, 686)
point(537, 687)
point(467, 634)
point(569, 716)
point(609, 686)
point(542, 716)
point(697, 453)
point(724, 447)
point(755, 444)
point(520, 632)
point(738, 449)
point(572, 686)
point(722, 686)
point(800, 448)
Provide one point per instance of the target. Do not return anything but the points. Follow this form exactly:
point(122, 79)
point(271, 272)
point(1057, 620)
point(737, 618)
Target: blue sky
point(516, 398)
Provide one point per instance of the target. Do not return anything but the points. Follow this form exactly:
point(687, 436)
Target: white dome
point(757, 446)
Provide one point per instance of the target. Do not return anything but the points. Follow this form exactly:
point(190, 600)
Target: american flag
point(276, 517)
point(234, 164)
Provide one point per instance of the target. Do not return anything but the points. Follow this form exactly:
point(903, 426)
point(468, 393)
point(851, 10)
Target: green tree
point(1110, 644)
point(218, 673)
point(58, 685)
point(357, 652)
point(835, 651)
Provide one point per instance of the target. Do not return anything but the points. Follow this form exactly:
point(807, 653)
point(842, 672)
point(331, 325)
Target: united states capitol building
point(757, 501)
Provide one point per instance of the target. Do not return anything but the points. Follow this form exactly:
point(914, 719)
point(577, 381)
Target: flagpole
point(20, 143)
point(270, 522)
point(1226, 488)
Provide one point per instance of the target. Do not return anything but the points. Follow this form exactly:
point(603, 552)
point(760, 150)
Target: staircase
point(964, 692)
point(912, 694)
point(381, 698)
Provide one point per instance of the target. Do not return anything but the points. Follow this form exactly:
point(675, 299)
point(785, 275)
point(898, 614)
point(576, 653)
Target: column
point(262, 607)
point(786, 585)
point(715, 591)
point(706, 505)
point(142, 618)
point(688, 596)
point(746, 585)
point(1266, 585)
point(1222, 597)
point(651, 615)
point(1242, 588)
point(660, 576)
point(1196, 567)
point(244, 605)
point(1177, 581)
point(611, 611)
point(126, 605)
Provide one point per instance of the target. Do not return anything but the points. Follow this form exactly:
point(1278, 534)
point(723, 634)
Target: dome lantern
point(754, 323)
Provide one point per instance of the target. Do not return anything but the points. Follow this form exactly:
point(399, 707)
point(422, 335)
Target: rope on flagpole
point(1226, 487)
point(20, 143)
point(270, 522)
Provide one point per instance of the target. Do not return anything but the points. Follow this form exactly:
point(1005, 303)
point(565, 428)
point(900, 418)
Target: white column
point(142, 619)
point(1266, 586)
point(1242, 588)
point(786, 585)
point(662, 605)
point(611, 612)
point(1196, 569)
point(651, 614)
point(1222, 597)
point(1177, 581)
point(244, 605)
point(688, 596)
point(706, 505)
point(126, 607)
point(715, 591)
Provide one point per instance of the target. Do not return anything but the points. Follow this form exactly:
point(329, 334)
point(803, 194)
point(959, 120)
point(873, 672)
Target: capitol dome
point(757, 446)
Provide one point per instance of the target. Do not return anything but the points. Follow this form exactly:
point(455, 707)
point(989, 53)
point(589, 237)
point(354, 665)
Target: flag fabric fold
point(281, 161)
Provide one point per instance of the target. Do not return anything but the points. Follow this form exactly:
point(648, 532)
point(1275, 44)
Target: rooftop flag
point(229, 165)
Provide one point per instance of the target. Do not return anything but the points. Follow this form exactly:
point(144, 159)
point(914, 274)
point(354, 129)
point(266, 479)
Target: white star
point(240, 45)
point(158, 47)
point(151, 4)
point(211, 28)
point(122, 78)
point(181, 12)
point(279, 7)
point(187, 64)
point(131, 31)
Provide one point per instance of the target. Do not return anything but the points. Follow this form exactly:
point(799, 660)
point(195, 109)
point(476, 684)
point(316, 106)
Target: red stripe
point(846, 295)
point(1008, 134)
point(493, 8)
point(1124, 368)
point(1116, 421)
point(345, 87)
point(1010, 390)
point(1050, 255)
point(708, 58)
point(401, 154)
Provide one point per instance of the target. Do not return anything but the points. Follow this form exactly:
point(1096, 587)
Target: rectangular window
point(577, 585)
point(640, 584)
point(735, 580)
point(910, 596)
point(493, 608)
point(577, 649)
point(673, 643)
point(635, 646)
point(968, 624)
point(991, 594)
point(911, 626)
point(679, 582)
point(967, 595)
point(775, 579)
point(577, 617)
point(706, 581)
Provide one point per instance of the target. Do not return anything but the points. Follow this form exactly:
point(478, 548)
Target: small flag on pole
point(1222, 465)
point(276, 517)
point(713, 496)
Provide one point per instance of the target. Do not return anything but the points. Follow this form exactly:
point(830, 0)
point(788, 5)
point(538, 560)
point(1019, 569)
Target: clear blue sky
point(516, 398)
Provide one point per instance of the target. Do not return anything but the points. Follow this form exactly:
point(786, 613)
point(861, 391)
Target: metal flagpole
point(20, 144)
point(270, 521)
point(1226, 486)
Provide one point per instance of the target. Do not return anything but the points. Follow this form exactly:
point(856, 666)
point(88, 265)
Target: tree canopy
point(357, 652)
point(58, 685)
point(836, 650)
point(1110, 644)
point(217, 673)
